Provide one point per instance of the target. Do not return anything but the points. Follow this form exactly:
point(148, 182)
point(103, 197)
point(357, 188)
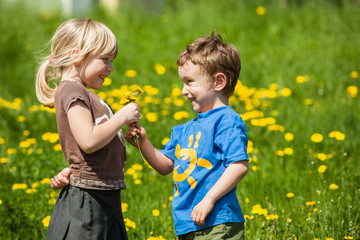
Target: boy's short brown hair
point(214, 56)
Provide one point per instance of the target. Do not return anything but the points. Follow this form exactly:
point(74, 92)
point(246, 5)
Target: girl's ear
point(74, 55)
point(220, 81)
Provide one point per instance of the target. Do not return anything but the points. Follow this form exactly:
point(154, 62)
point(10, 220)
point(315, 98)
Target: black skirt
point(87, 214)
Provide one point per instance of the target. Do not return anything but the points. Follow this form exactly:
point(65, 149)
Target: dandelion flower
point(288, 151)
point(337, 135)
point(322, 168)
point(46, 221)
point(124, 207)
point(286, 92)
point(57, 147)
point(3, 160)
point(107, 81)
point(333, 186)
point(321, 156)
point(18, 186)
point(164, 141)
point(2, 141)
point(260, 10)
point(151, 117)
point(290, 195)
point(317, 138)
point(156, 212)
point(352, 90)
point(129, 223)
point(348, 237)
point(45, 181)
point(160, 69)
point(354, 74)
point(180, 115)
point(130, 73)
point(289, 137)
point(310, 203)
point(308, 101)
point(1, 201)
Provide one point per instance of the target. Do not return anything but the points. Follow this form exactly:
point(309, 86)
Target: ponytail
point(44, 92)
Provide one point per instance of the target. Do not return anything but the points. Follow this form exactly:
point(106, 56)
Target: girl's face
point(94, 69)
point(198, 88)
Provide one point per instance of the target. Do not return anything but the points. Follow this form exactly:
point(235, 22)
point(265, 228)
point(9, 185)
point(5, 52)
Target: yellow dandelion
point(130, 73)
point(129, 223)
point(317, 138)
point(333, 186)
point(286, 92)
point(21, 118)
point(289, 137)
point(354, 74)
point(260, 10)
point(176, 92)
point(300, 79)
point(151, 117)
point(247, 200)
point(329, 239)
point(315, 210)
point(107, 81)
point(288, 151)
point(310, 203)
point(3, 160)
point(348, 237)
point(137, 181)
point(1, 201)
point(160, 69)
point(280, 153)
point(11, 151)
point(45, 181)
point(181, 115)
point(24, 144)
point(30, 190)
point(2, 141)
point(130, 171)
point(321, 156)
point(164, 141)
point(156, 212)
point(57, 147)
point(46, 221)
point(26, 133)
point(322, 168)
point(52, 201)
point(337, 135)
point(290, 195)
point(308, 101)
point(255, 168)
point(18, 186)
point(124, 207)
point(352, 90)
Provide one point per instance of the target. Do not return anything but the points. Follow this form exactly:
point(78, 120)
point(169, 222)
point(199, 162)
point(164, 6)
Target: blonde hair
point(88, 37)
point(214, 56)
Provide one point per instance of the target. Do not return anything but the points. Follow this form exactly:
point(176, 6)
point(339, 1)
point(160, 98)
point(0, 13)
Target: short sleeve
point(233, 145)
point(71, 92)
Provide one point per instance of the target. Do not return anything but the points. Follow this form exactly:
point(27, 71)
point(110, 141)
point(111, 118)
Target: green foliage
point(313, 41)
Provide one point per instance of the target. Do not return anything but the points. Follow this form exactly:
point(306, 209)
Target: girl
point(90, 135)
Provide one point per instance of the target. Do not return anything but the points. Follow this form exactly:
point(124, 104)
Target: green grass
point(317, 39)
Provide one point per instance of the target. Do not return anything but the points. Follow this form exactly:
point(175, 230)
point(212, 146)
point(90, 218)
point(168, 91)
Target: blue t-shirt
point(201, 150)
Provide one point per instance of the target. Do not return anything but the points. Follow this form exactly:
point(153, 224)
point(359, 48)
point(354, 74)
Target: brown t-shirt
point(103, 169)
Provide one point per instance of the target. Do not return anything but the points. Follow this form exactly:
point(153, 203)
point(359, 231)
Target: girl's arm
point(155, 158)
point(91, 138)
point(228, 180)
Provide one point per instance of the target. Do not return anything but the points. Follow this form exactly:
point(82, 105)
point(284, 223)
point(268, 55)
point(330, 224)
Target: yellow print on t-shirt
point(184, 154)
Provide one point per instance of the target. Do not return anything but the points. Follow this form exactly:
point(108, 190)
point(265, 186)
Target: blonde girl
point(82, 51)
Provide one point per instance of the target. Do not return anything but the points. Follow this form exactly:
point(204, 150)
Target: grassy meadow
point(297, 93)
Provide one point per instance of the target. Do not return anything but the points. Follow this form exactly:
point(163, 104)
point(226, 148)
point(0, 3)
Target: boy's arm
point(228, 180)
point(154, 157)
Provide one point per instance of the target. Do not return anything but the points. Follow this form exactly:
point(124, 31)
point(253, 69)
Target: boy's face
point(198, 88)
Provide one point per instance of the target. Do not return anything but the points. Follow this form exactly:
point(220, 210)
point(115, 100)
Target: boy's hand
point(135, 129)
point(61, 180)
point(202, 210)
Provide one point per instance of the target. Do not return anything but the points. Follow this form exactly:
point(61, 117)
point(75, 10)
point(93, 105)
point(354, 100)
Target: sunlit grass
point(297, 93)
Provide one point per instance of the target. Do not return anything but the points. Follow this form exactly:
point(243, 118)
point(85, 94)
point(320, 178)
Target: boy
point(207, 155)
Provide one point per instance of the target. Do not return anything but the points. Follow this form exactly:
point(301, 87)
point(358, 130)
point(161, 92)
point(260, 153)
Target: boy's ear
point(220, 81)
point(74, 54)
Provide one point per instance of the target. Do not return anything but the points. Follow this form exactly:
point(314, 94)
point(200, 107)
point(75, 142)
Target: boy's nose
point(184, 91)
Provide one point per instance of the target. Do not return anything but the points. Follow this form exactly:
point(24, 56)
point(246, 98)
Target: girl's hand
point(135, 129)
point(61, 180)
point(131, 113)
